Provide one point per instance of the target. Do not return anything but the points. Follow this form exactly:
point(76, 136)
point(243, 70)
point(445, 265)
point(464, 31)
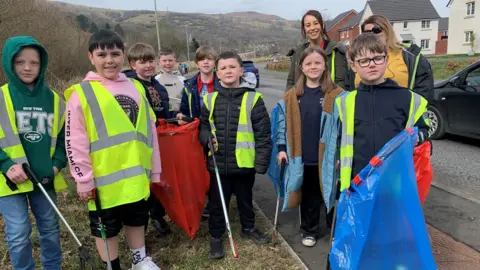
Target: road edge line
point(453, 192)
point(280, 237)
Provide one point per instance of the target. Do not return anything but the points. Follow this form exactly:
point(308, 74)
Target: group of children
point(106, 131)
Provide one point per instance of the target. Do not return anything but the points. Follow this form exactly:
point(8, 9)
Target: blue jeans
point(14, 209)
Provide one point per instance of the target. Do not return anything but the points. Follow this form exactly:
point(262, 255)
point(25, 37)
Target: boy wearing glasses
point(376, 111)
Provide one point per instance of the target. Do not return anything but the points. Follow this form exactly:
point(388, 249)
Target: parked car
point(249, 66)
point(454, 106)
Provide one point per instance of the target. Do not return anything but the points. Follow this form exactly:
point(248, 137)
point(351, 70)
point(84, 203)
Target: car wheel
point(437, 124)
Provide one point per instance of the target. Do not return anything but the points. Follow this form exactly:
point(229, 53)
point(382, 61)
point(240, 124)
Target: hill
point(240, 31)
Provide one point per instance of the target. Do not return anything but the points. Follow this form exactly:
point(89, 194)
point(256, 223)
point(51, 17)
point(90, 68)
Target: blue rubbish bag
point(380, 222)
point(273, 171)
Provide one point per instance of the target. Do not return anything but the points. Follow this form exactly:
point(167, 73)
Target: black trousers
point(157, 211)
point(241, 186)
point(312, 202)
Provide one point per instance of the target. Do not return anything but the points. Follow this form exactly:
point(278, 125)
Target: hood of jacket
point(388, 84)
point(12, 47)
point(248, 80)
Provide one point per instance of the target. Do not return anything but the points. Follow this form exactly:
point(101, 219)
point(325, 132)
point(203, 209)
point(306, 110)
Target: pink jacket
point(76, 137)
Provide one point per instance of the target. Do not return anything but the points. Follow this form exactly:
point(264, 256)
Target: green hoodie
point(34, 114)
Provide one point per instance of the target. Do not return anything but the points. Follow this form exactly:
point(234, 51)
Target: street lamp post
point(156, 22)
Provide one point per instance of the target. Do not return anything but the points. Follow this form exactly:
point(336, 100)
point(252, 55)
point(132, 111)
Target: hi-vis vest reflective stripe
point(417, 59)
point(346, 108)
point(121, 154)
point(189, 95)
point(332, 69)
point(11, 145)
point(245, 144)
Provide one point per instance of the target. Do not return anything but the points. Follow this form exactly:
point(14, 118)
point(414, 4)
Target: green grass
point(443, 70)
point(176, 251)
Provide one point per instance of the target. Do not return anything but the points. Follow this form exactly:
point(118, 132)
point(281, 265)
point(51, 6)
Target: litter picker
point(84, 255)
point(102, 227)
point(225, 212)
point(282, 173)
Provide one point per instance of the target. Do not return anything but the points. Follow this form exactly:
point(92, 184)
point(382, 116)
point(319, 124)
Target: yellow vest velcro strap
point(118, 175)
point(104, 141)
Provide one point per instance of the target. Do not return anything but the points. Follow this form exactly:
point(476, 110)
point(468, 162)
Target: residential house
point(466, 22)
point(442, 37)
point(350, 30)
point(338, 22)
point(414, 21)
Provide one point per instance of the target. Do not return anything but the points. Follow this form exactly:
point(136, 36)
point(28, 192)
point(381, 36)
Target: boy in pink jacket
point(112, 149)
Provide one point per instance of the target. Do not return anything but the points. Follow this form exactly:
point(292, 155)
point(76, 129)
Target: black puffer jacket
point(226, 114)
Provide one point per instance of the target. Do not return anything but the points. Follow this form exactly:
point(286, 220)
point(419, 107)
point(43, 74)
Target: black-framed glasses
point(377, 60)
point(376, 30)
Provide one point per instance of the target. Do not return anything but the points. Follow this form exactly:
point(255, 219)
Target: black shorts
point(132, 214)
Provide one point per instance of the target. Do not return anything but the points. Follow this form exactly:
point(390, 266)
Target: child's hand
point(85, 196)
point(55, 171)
point(282, 155)
point(16, 174)
point(180, 121)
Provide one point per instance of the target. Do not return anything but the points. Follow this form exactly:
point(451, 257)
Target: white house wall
point(415, 29)
point(459, 23)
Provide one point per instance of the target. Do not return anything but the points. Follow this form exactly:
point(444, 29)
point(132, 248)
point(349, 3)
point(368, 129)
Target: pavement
point(451, 209)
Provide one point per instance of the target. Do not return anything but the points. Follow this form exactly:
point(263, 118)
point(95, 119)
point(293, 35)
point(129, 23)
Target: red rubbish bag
point(423, 169)
point(184, 170)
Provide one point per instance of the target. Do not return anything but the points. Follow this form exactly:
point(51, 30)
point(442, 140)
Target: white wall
point(459, 23)
point(415, 28)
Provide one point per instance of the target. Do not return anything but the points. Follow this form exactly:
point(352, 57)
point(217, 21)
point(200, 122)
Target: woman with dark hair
point(313, 30)
point(406, 65)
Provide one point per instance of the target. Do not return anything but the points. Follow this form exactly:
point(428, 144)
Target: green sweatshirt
point(34, 111)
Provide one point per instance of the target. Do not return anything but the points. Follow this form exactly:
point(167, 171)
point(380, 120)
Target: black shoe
point(216, 249)
point(161, 227)
point(255, 235)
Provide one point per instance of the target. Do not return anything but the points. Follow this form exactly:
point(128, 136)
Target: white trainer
point(309, 241)
point(146, 264)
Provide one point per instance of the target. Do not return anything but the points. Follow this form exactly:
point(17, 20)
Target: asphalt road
point(452, 205)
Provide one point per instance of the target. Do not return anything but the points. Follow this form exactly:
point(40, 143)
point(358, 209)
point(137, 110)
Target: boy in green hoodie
point(31, 131)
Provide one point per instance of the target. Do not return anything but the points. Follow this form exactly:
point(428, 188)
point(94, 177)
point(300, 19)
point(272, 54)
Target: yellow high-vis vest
point(346, 109)
point(245, 143)
point(121, 153)
point(10, 141)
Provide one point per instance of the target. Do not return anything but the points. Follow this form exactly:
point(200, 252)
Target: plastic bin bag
point(184, 170)
point(380, 223)
point(423, 169)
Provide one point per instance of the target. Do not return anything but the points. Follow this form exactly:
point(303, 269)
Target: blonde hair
point(384, 24)
point(326, 82)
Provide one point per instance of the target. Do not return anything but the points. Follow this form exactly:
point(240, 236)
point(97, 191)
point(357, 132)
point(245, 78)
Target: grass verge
point(443, 70)
point(175, 251)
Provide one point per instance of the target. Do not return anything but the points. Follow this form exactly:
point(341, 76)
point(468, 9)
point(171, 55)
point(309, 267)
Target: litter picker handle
point(28, 171)
point(174, 120)
point(10, 183)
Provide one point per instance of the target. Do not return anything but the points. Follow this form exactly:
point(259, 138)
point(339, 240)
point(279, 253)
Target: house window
point(342, 34)
point(445, 33)
point(425, 43)
point(470, 8)
point(468, 36)
point(425, 24)
point(405, 24)
point(347, 33)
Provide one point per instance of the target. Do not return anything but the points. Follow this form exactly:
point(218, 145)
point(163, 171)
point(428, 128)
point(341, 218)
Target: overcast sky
point(288, 9)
